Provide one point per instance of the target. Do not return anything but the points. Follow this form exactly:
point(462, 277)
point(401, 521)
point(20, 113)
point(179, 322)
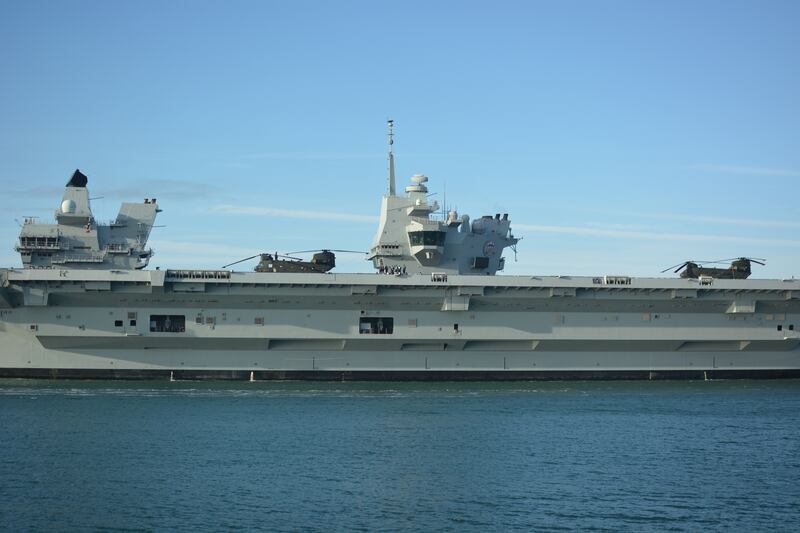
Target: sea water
point(295, 456)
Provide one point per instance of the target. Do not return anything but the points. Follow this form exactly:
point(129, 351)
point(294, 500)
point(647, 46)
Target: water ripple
point(289, 456)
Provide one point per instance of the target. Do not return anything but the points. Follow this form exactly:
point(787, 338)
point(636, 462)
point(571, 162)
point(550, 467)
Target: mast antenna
point(390, 124)
point(444, 202)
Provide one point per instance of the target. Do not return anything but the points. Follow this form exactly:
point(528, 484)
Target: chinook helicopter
point(739, 268)
point(322, 261)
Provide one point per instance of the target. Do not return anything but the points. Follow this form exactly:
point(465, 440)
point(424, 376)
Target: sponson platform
point(351, 326)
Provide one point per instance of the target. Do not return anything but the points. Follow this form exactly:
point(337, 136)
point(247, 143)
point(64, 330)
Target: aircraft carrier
point(85, 306)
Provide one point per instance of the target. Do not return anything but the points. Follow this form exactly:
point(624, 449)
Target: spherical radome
point(68, 207)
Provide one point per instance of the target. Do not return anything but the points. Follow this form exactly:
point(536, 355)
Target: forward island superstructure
point(84, 306)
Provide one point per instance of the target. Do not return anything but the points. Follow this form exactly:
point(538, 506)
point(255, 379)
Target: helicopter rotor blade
point(328, 250)
point(678, 266)
point(752, 259)
point(303, 252)
point(756, 260)
point(241, 261)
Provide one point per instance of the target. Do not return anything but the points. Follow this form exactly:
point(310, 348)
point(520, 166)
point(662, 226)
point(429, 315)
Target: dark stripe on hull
point(398, 375)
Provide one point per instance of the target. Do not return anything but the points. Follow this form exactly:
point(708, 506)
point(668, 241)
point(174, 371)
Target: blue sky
point(622, 137)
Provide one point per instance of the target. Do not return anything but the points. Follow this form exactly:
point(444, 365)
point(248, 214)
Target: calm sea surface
point(619, 456)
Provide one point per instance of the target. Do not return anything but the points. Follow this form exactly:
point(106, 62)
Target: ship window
point(133, 322)
point(426, 238)
point(791, 327)
point(376, 325)
point(258, 321)
point(118, 323)
point(480, 262)
point(168, 323)
point(780, 327)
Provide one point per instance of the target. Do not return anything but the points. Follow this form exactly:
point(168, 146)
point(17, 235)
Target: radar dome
point(419, 178)
point(68, 207)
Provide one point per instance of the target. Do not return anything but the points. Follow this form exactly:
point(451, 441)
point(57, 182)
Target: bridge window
point(426, 238)
point(168, 323)
point(381, 325)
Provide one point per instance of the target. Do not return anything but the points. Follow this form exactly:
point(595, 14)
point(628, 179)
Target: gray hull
point(317, 326)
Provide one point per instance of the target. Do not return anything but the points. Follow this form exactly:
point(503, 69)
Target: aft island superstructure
point(433, 309)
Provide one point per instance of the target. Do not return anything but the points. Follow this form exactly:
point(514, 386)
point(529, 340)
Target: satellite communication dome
point(68, 207)
point(417, 180)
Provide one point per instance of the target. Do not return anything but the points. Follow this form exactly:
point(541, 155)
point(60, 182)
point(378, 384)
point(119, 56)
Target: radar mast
point(390, 124)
